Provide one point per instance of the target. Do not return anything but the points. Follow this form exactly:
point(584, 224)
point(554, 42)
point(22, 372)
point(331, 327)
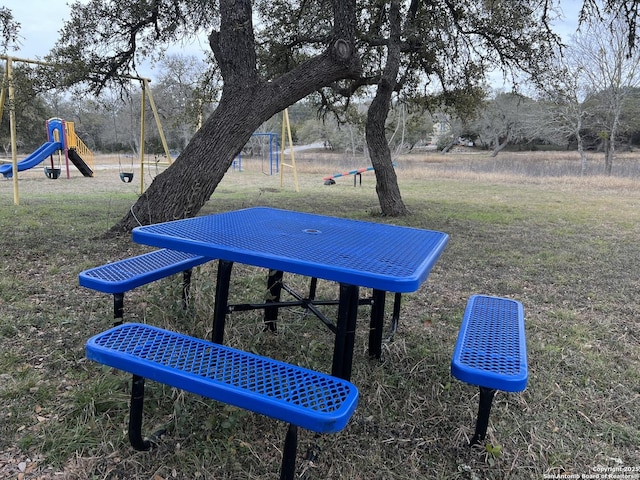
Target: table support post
point(118, 308)
point(274, 286)
point(186, 288)
point(484, 408)
point(288, 468)
point(397, 299)
point(135, 415)
point(221, 300)
point(346, 329)
point(313, 286)
point(377, 323)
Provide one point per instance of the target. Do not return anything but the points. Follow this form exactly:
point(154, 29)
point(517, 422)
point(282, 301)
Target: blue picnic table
point(355, 254)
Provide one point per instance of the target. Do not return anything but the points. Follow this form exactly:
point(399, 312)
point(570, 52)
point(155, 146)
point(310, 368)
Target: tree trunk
point(583, 156)
point(608, 159)
point(581, 151)
point(448, 146)
point(247, 101)
point(500, 146)
point(386, 180)
point(611, 146)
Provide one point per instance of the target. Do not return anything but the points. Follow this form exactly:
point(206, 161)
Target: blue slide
point(32, 160)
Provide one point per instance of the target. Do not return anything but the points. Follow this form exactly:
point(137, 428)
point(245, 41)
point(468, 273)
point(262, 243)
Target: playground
point(266, 165)
point(566, 245)
point(61, 141)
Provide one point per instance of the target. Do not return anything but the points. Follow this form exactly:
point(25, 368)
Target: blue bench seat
point(301, 397)
point(125, 275)
point(491, 352)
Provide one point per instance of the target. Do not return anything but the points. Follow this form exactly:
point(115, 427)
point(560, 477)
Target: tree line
point(111, 123)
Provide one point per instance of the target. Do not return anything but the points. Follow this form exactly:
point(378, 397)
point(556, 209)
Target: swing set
point(267, 144)
point(125, 176)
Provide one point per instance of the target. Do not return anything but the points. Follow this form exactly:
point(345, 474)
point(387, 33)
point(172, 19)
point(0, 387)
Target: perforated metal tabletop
point(367, 254)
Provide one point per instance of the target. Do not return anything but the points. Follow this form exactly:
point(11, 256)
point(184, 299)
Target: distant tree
point(327, 131)
point(630, 118)
point(505, 119)
point(407, 125)
point(455, 127)
point(30, 109)
point(184, 91)
point(92, 122)
point(563, 92)
point(610, 69)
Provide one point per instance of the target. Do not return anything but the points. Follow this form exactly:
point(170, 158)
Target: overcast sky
point(41, 21)
point(40, 24)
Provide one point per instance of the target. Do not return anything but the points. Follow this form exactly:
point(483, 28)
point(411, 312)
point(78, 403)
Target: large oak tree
point(247, 99)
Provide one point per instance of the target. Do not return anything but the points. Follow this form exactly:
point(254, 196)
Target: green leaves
point(9, 30)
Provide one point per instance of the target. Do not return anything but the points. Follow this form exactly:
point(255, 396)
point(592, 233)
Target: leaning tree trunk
point(386, 180)
point(500, 146)
point(246, 102)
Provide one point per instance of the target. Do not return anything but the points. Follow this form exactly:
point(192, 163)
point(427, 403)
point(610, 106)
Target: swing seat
point(52, 173)
point(126, 177)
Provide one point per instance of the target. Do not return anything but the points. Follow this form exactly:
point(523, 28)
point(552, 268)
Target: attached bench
point(124, 275)
point(491, 352)
point(303, 398)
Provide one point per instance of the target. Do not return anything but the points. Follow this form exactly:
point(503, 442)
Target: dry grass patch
point(565, 245)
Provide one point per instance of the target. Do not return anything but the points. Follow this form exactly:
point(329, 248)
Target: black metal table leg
point(118, 308)
point(396, 313)
point(346, 329)
point(274, 285)
point(135, 415)
point(288, 468)
point(186, 287)
point(377, 323)
point(484, 408)
point(313, 285)
point(222, 299)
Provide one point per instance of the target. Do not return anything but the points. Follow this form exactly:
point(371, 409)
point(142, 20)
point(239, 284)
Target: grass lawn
point(522, 227)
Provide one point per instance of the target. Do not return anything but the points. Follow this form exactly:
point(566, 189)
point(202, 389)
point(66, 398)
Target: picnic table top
point(367, 254)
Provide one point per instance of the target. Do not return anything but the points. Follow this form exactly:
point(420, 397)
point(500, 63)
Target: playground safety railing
point(73, 141)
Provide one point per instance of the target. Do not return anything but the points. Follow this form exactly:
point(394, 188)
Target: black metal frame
point(118, 298)
point(484, 409)
point(344, 328)
point(140, 443)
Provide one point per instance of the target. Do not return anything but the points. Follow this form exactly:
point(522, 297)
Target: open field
point(522, 225)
